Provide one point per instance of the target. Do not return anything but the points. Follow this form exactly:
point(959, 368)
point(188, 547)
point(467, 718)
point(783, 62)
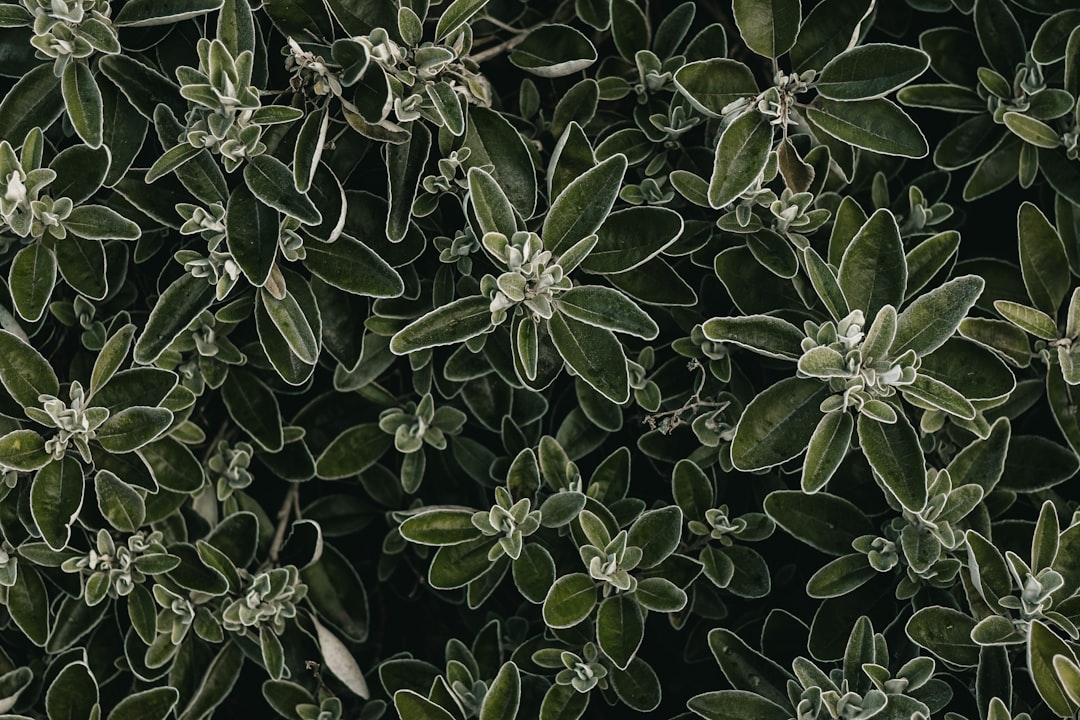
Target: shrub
point(483, 358)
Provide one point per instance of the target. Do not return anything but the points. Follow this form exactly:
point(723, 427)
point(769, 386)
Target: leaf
point(826, 450)
point(252, 229)
point(628, 238)
point(826, 522)
point(840, 576)
point(873, 271)
point(34, 101)
point(413, 706)
point(877, 125)
point(97, 222)
point(637, 686)
point(594, 353)
point(946, 633)
point(503, 697)
point(447, 325)
point(620, 628)
point(569, 601)
point(769, 27)
point(350, 265)
point(554, 50)
point(926, 391)
point(777, 424)
point(293, 324)
point(439, 526)
point(404, 167)
point(747, 669)
point(353, 451)
point(711, 85)
point(82, 98)
point(493, 209)
point(582, 207)
point(174, 466)
point(216, 684)
point(933, 318)
point(1043, 261)
point(741, 155)
point(28, 604)
point(174, 310)
point(31, 279)
point(153, 704)
point(608, 309)
point(455, 566)
point(764, 334)
point(56, 497)
point(133, 427)
point(254, 408)
point(534, 572)
point(339, 661)
point(24, 372)
point(455, 16)
point(657, 532)
point(897, 458)
point(271, 181)
point(493, 141)
point(1028, 319)
point(736, 705)
point(72, 694)
point(1042, 647)
point(143, 13)
point(118, 502)
point(23, 450)
point(870, 70)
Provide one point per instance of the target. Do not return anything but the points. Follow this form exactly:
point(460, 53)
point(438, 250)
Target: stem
point(505, 45)
point(291, 504)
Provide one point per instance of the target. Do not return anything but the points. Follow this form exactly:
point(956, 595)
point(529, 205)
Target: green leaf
point(764, 334)
point(97, 222)
point(657, 532)
point(826, 450)
point(503, 697)
point(252, 228)
point(570, 600)
point(118, 502)
point(455, 16)
point(23, 450)
point(73, 694)
point(826, 522)
point(181, 303)
point(133, 427)
point(711, 85)
point(254, 408)
point(271, 181)
point(933, 394)
point(83, 265)
point(447, 325)
point(220, 677)
point(620, 628)
point(1043, 262)
point(897, 458)
point(153, 704)
point(637, 686)
point(493, 209)
point(691, 489)
point(1032, 130)
point(594, 353)
point(413, 706)
point(609, 309)
point(31, 279)
point(24, 372)
point(660, 595)
point(777, 424)
point(353, 451)
point(747, 669)
point(736, 705)
point(440, 526)
point(582, 207)
point(171, 160)
point(455, 566)
point(350, 265)
point(873, 271)
point(741, 155)
point(554, 50)
point(494, 142)
point(34, 101)
point(931, 319)
point(1042, 647)
point(404, 167)
point(293, 324)
point(769, 27)
point(56, 497)
point(28, 604)
point(840, 576)
point(946, 633)
point(628, 238)
point(870, 70)
point(877, 125)
point(174, 466)
point(82, 98)
point(1028, 319)
point(143, 13)
point(534, 572)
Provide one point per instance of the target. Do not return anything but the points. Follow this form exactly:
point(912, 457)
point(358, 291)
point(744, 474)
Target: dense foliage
point(511, 360)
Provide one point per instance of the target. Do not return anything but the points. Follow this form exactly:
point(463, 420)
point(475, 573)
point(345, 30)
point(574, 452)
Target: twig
point(505, 45)
point(290, 505)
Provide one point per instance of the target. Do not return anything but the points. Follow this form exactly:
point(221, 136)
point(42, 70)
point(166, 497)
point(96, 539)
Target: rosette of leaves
point(44, 212)
point(863, 359)
point(863, 686)
point(415, 426)
point(1017, 88)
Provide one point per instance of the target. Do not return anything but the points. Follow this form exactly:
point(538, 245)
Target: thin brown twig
point(288, 507)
